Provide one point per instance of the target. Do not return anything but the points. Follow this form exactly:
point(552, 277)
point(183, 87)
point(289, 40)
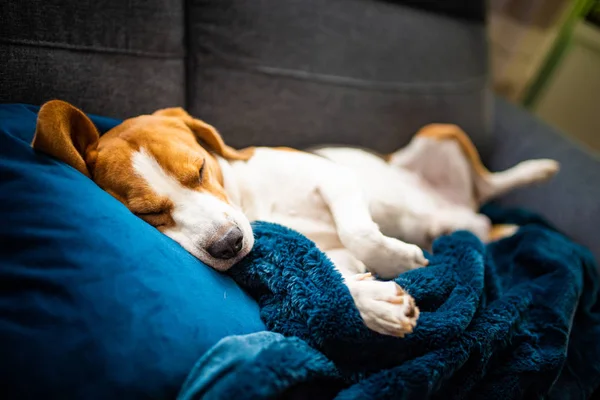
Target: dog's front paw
point(396, 257)
point(384, 306)
point(411, 257)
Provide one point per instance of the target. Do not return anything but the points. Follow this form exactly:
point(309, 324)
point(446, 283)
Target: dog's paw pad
point(385, 307)
point(364, 277)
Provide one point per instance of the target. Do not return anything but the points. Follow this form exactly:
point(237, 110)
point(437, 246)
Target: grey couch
point(296, 73)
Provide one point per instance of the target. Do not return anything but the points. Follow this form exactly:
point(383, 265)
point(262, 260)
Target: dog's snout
point(228, 245)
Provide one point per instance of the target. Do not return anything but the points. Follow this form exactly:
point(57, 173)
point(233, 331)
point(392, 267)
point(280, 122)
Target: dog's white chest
point(283, 187)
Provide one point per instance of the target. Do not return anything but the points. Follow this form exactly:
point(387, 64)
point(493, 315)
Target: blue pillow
point(95, 303)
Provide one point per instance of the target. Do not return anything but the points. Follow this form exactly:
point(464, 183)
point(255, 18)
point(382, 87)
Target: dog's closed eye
point(193, 176)
point(148, 213)
point(201, 171)
point(155, 218)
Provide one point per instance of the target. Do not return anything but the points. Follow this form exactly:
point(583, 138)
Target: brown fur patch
point(287, 149)
point(176, 150)
point(450, 131)
point(66, 133)
point(501, 231)
point(171, 136)
point(206, 133)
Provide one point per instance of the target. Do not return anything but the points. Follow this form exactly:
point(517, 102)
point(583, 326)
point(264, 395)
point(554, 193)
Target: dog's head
point(164, 168)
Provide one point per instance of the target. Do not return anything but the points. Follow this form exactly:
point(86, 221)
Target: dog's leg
point(384, 306)
point(525, 173)
point(445, 157)
point(447, 221)
point(346, 263)
point(384, 256)
point(502, 231)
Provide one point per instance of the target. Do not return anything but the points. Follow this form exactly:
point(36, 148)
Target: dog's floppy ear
point(66, 133)
point(207, 133)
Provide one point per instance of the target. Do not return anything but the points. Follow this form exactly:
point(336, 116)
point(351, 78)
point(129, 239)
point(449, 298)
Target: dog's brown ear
point(66, 133)
point(207, 133)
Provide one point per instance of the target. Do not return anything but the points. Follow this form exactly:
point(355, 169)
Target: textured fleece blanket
point(518, 318)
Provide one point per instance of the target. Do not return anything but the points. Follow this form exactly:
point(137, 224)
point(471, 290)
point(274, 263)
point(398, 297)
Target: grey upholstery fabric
point(108, 57)
point(359, 72)
point(125, 86)
point(474, 10)
point(572, 200)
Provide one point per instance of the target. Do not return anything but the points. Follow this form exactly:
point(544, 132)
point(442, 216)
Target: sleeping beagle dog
point(370, 214)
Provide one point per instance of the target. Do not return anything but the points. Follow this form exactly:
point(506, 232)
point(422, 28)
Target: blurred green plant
point(593, 15)
point(581, 9)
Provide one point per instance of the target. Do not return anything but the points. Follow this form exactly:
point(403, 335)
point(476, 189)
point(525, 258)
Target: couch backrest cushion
point(117, 58)
point(360, 72)
point(274, 72)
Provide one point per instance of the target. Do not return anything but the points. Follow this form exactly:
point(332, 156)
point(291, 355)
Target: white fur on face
point(198, 216)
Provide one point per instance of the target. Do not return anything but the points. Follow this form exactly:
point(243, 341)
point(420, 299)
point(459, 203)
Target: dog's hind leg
point(525, 173)
point(384, 307)
point(444, 156)
point(387, 257)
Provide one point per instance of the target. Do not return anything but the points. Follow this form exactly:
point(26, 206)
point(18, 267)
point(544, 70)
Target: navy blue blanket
point(519, 318)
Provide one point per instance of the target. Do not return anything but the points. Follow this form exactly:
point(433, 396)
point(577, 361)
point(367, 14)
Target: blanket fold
point(518, 318)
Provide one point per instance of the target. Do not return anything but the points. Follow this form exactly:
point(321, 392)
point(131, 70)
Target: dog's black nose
point(228, 245)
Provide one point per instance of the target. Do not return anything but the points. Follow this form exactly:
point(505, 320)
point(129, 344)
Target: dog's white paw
point(411, 256)
point(384, 306)
point(540, 170)
point(394, 257)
